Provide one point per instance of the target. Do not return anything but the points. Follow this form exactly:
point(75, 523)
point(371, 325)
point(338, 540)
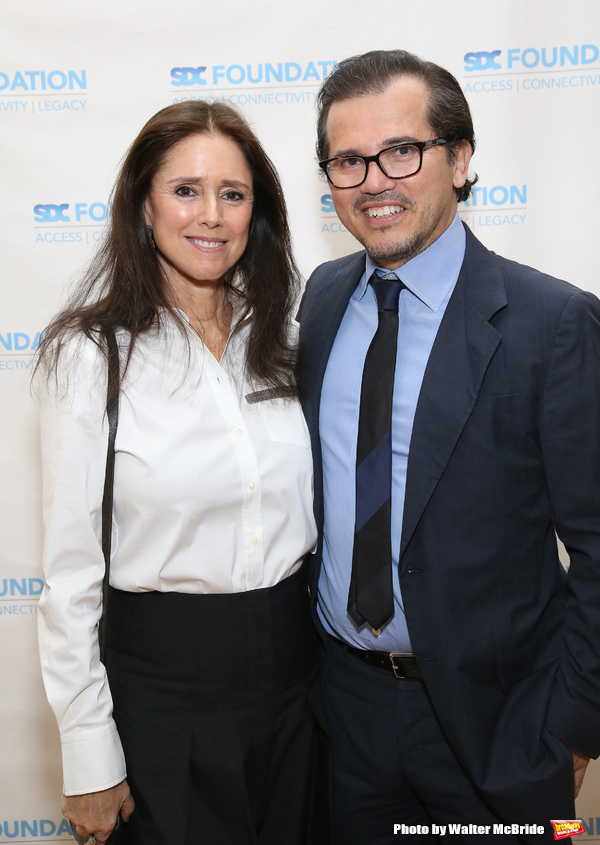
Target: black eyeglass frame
point(420, 145)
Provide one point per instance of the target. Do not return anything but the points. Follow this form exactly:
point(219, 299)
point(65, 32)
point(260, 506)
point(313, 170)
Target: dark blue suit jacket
point(505, 450)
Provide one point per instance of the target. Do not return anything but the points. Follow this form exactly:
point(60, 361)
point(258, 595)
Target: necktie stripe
point(373, 478)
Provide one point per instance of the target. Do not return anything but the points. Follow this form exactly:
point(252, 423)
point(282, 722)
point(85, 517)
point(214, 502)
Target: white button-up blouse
point(212, 494)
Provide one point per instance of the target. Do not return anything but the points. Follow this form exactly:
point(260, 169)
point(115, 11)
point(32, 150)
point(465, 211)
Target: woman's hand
point(96, 812)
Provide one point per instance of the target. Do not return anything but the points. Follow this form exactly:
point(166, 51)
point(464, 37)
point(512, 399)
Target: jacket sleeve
point(569, 428)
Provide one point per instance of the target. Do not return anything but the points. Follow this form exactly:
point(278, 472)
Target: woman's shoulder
point(72, 370)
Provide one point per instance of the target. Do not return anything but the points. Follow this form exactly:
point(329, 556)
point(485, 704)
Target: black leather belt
point(402, 666)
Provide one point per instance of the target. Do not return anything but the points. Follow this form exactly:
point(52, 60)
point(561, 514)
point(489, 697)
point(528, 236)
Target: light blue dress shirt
point(430, 278)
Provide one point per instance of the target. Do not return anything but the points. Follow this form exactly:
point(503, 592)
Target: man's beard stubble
point(401, 251)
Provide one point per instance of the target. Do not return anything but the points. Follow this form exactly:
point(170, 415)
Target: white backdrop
point(78, 80)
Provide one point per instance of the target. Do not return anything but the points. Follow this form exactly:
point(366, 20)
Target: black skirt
point(217, 705)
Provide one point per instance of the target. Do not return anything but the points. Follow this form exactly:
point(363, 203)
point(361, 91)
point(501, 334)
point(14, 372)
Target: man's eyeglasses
point(397, 162)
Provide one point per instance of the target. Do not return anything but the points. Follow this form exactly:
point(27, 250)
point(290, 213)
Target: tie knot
point(387, 287)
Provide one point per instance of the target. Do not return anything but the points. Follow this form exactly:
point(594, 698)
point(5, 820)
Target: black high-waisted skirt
point(217, 705)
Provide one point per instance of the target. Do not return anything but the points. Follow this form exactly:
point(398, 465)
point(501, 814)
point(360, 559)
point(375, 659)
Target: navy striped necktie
point(371, 591)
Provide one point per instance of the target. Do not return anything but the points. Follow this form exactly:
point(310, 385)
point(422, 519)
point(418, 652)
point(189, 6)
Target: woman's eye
point(184, 191)
point(233, 196)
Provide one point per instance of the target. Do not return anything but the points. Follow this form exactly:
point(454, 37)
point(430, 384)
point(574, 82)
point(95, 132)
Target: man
point(462, 667)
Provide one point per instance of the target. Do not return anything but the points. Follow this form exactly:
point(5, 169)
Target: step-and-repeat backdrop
point(78, 80)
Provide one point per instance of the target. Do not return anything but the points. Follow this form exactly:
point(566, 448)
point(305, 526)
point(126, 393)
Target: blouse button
point(238, 432)
point(254, 541)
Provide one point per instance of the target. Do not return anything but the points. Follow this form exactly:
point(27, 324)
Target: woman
point(210, 659)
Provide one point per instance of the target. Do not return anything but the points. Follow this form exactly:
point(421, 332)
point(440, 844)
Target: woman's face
point(200, 207)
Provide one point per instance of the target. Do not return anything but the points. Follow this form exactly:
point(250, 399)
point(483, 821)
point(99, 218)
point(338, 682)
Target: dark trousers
point(215, 699)
point(392, 764)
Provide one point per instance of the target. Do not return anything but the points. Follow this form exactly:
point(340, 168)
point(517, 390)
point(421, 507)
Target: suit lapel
point(322, 316)
point(463, 348)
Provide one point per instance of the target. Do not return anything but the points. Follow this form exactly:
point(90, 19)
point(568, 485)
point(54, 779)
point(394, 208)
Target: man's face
point(419, 208)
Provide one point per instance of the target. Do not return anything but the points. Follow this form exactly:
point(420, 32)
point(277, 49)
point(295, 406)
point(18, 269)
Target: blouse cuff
point(93, 760)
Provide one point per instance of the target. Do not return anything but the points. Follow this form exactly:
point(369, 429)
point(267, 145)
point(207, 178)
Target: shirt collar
point(431, 273)
point(237, 303)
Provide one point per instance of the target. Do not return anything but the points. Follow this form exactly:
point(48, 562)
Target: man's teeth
point(209, 244)
point(383, 212)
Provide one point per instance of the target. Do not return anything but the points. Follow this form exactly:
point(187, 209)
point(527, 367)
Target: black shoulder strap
point(112, 412)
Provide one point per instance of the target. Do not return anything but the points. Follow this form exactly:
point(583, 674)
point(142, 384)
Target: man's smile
point(383, 211)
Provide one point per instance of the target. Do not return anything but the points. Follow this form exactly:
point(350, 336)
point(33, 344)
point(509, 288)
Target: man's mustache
point(388, 197)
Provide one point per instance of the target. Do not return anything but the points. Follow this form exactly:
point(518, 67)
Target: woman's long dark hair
point(125, 287)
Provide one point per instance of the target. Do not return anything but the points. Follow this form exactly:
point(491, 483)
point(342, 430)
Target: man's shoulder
point(338, 267)
point(519, 279)
point(337, 277)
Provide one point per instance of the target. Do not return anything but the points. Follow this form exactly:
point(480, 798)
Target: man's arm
point(569, 427)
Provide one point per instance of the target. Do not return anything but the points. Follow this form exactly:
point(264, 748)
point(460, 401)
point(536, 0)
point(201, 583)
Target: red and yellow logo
point(562, 829)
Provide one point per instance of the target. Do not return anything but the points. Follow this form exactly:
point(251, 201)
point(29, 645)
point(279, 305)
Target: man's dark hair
point(447, 111)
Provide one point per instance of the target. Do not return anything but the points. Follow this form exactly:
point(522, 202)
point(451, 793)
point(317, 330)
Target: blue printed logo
point(331, 224)
point(41, 80)
point(70, 223)
point(26, 828)
point(48, 213)
point(498, 205)
point(260, 73)
point(483, 60)
point(16, 353)
point(497, 195)
point(19, 596)
point(19, 342)
point(327, 206)
point(21, 587)
point(188, 76)
point(529, 58)
point(53, 213)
